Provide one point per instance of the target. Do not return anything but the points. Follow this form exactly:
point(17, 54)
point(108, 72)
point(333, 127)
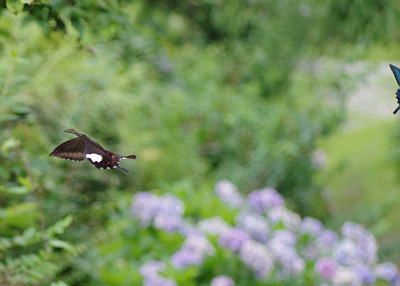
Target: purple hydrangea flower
point(214, 225)
point(165, 211)
point(189, 230)
point(293, 267)
point(158, 281)
point(145, 206)
point(345, 276)
point(288, 218)
point(365, 242)
point(311, 226)
point(326, 241)
point(283, 237)
point(222, 280)
point(169, 214)
point(282, 246)
point(168, 223)
point(358, 246)
point(263, 200)
point(353, 231)
point(388, 271)
point(192, 252)
point(291, 263)
point(171, 205)
point(347, 253)
point(349, 261)
point(365, 273)
point(233, 239)
point(258, 257)
point(254, 224)
point(199, 243)
point(228, 193)
point(184, 258)
point(310, 252)
point(151, 268)
point(326, 267)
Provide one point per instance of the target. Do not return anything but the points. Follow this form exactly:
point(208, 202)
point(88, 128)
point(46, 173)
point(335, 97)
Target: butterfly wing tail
point(397, 109)
point(129, 157)
point(125, 157)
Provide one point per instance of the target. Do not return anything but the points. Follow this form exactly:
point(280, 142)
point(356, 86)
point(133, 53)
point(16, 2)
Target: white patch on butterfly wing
point(94, 157)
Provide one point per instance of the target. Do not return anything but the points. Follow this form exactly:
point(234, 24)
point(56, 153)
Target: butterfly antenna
point(72, 131)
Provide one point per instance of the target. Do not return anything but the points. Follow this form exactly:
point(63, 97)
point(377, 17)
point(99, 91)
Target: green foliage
point(34, 268)
point(210, 103)
point(363, 21)
point(26, 270)
point(29, 249)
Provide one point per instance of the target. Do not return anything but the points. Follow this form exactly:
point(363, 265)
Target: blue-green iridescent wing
point(396, 72)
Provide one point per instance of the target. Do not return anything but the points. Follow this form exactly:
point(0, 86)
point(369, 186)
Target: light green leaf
point(15, 6)
point(26, 182)
point(17, 190)
point(9, 144)
point(59, 283)
point(54, 242)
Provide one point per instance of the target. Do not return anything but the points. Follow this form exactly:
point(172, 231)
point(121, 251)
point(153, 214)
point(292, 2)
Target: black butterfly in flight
point(396, 72)
point(78, 148)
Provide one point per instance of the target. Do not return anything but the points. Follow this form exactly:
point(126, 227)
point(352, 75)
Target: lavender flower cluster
point(274, 242)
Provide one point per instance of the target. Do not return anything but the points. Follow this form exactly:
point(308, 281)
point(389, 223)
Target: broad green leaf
point(15, 6)
point(60, 226)
point(17, 190)
point(26, 182)
point(9, 143)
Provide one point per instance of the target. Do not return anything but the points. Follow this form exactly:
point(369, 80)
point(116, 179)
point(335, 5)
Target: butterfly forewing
point(396, 72)
point(72, 150)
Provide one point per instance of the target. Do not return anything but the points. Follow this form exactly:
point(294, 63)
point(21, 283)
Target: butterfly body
point(78, 149)
point(396, 72)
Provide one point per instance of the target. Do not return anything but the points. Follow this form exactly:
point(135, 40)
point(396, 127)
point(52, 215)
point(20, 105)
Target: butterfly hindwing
point(72, 150)
point(100, 157)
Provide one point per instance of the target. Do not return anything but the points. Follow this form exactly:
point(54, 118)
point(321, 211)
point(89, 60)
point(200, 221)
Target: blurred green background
point(262, 93)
